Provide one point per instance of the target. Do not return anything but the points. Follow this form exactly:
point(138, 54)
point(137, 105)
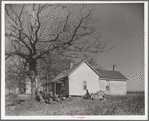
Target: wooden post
point(47, 88)
point(54, 88)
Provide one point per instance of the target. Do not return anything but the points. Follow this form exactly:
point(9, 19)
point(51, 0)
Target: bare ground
point(131, 104)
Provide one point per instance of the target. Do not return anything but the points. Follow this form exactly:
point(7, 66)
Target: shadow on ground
point(16, 102)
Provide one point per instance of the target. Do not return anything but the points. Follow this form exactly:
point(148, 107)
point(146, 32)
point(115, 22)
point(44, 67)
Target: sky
point(123, 26)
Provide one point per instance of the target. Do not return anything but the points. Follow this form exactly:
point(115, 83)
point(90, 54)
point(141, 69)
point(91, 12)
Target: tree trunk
point(33, 88)
point(40, 96)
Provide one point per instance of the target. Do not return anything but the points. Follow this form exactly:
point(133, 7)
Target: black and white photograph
point(74, 60)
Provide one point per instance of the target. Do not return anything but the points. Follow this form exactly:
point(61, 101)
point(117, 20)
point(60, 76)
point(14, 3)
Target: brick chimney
point(113, 67)
point(71, 65)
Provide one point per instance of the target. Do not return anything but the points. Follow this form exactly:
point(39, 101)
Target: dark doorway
point(58, 88)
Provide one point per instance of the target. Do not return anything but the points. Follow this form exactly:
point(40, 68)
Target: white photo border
point(108, 117)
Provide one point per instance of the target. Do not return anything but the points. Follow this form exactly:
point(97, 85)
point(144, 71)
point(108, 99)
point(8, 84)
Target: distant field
point(131, 104)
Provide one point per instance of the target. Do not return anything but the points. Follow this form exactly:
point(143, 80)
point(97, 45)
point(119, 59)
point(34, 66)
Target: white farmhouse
point(83, 76)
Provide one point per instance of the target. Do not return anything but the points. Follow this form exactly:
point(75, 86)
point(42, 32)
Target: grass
point(131, 104)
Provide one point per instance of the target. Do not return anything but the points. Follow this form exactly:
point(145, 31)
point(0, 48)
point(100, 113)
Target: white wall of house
point(17, 91)
point(28, 87)
point(81, 74)
point(117, 88)
point(102, 85)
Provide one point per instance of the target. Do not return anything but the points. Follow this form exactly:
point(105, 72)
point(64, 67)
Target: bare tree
point(34, 30)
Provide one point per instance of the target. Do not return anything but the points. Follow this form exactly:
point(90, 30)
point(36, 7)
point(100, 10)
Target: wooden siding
point(81, 74)
point(102, 85)
point(117, 88)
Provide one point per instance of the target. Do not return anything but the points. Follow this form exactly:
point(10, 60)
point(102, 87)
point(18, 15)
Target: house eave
point(55, 81)
point(112, 79)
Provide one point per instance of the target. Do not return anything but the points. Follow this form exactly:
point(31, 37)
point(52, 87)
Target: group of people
point(99, 95)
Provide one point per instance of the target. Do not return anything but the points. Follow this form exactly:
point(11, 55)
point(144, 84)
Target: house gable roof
point(71, 70)
point(65, 73)
point(106, 74)
point(103, 74)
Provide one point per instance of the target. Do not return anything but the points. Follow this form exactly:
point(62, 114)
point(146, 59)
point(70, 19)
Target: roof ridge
point(108, 70)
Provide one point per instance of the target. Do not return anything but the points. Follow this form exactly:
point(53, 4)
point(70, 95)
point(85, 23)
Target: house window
point(84, 85)
point(108, 86)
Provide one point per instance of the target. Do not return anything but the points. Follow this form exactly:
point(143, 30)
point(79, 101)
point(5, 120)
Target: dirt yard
point(131, 104)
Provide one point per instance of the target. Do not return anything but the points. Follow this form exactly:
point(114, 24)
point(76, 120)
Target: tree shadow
point(15, 102)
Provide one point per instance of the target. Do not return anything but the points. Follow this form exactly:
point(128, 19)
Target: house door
point(58, 88)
